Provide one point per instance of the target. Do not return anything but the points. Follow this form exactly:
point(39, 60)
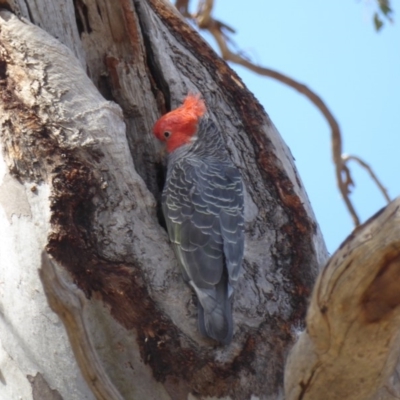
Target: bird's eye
point(167, 134)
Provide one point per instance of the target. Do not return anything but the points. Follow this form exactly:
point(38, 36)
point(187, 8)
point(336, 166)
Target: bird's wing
point(203, 208)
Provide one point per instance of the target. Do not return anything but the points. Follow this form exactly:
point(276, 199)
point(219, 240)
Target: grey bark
point(81, 84)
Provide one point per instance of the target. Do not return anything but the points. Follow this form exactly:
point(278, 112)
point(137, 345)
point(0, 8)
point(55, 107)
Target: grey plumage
point(203, 207)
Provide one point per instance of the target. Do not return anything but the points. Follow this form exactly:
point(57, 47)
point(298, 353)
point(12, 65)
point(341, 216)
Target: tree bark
point(81, 84)
point(352, 344)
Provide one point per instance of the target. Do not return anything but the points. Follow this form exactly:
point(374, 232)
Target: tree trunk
point(81, 85)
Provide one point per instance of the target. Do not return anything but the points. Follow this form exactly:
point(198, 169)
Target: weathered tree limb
point(92, 174)
point(352, 342)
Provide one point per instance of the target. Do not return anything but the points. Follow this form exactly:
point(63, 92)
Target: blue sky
point(333, 48)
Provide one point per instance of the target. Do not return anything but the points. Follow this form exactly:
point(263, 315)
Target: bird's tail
point(215, 312)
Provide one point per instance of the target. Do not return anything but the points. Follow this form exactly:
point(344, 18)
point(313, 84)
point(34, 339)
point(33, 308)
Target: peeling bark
point(76, 123)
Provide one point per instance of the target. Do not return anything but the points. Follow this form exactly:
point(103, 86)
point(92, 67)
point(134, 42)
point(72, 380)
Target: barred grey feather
point(203, 207)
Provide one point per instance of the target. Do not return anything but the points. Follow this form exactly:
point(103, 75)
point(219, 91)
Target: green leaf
point(378, 22)
point(386, 10)
point(385, 7)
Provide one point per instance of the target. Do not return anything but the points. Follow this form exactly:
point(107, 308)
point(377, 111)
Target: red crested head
point(177, 127)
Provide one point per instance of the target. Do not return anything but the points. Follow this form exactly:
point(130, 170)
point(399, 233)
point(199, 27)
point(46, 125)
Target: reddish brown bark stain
point(131, 25)
point(112, 64)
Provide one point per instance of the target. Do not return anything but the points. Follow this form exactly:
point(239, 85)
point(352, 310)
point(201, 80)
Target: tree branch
point(351, 345)
point(336, 137)
point(383, 190)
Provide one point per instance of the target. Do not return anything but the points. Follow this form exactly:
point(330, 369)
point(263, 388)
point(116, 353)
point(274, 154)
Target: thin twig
point(313, 97)
point(346, 158)
point(203, 15)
